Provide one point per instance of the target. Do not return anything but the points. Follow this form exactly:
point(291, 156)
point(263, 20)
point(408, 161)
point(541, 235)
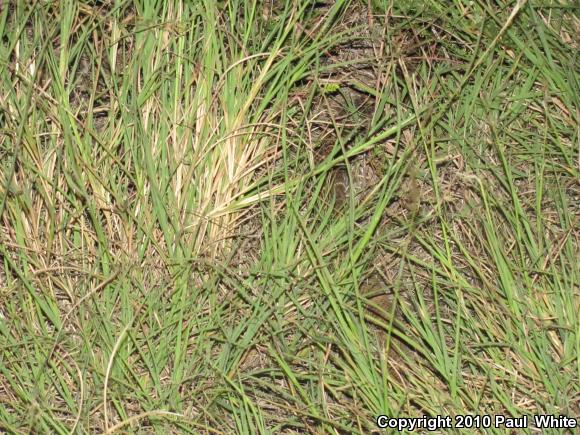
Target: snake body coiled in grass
point(339, 186)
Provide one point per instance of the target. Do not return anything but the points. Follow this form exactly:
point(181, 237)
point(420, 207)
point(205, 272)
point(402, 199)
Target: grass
point(177, 258)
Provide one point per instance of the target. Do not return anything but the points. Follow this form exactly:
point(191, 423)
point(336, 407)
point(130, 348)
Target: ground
point(287, 216)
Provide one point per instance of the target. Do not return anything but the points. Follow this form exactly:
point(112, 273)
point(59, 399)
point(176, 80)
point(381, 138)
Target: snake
point(339, 186)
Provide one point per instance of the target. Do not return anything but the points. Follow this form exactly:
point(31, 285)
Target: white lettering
point(555, 422)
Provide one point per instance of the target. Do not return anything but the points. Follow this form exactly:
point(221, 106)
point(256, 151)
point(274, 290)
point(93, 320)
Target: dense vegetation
point(286, 217)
